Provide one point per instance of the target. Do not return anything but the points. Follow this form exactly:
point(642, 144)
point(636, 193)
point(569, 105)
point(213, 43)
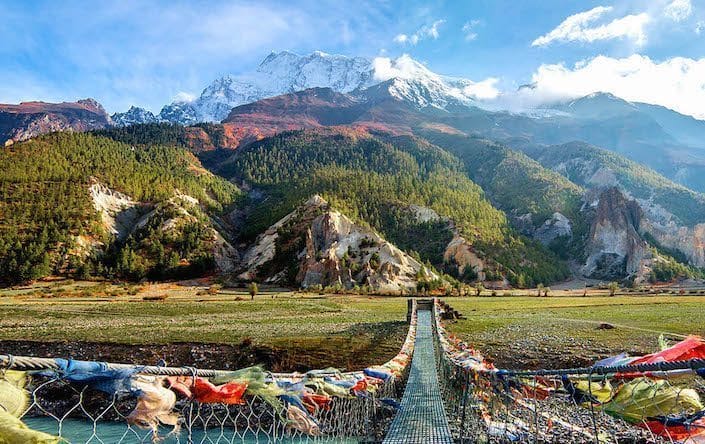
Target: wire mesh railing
point(652, 399)
point(46, 401)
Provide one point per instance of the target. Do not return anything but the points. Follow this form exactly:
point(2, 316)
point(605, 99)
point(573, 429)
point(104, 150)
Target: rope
point(691, 365)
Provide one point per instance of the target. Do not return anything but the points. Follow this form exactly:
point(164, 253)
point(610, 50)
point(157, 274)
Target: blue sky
point(147, 52)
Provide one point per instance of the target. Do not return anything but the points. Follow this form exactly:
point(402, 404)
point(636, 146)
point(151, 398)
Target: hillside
point(387, 185)
point(112, 198)
point(673, 215)
point(513, 181)
point(590, 166)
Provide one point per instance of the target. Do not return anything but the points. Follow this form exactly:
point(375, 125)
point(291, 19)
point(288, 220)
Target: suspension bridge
point(436, 390)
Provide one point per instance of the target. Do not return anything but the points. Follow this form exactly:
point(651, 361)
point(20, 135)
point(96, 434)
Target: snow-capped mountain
point(279, 73)
point(286, 72)
point(133, 116)
point(407, 80)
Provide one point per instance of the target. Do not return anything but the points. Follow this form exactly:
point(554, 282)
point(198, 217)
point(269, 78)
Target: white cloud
point(432, 31)
point(580, 27)
point(469, 30)
point(183, 96)
point(401, 38)
point(678, 10)
point(424, 32)
point(403, 67)
point(677, 83)
point(483, 90)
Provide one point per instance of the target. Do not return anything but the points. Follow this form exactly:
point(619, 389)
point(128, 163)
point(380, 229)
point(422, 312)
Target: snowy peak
point(411, 81)
point(423, 93)
point(134, 116)
point(286, 72)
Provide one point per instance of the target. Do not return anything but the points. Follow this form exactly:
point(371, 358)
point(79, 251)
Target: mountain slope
point(673, 215)
point(381, 184)
point(591, 167)
point(514, 182)
point(30, 119)
point(97, 181)
point(679, 127)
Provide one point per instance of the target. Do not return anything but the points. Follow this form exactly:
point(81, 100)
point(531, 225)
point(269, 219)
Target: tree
point(539, 289)
point(613, 287)
point(253, 289)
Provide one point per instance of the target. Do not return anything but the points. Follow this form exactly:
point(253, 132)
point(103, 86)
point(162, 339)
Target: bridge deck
point(422, 418)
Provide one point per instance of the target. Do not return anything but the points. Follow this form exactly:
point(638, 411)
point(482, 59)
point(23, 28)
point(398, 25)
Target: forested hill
point(378, 182)
point(514, 182)
point(49, 221)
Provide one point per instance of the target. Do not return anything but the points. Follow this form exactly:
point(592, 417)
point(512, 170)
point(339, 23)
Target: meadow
point(290, 330)
point(565, 331)
point(278, 328)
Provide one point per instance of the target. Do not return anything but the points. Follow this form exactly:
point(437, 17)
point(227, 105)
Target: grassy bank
point(309, 330)
point(565, 331)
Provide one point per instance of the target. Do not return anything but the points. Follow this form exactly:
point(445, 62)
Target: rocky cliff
point(614, 246)
point(177, 221)
point(30, 119)
point(316, 245)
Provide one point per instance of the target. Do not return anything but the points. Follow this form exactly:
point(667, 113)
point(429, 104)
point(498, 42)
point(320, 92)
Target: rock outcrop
point(557, 226)
point(316, 245)
point(460, 252)
point(118, 212)
point(121, 216)
point(30, 119)
point(689, 242)
point(614, 247)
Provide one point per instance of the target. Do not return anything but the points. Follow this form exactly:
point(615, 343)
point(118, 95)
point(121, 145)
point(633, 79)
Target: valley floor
point(192, 323)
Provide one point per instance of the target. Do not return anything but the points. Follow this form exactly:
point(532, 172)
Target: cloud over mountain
point(677, 83)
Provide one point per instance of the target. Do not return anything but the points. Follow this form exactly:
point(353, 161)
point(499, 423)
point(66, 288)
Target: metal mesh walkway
point(422, 418)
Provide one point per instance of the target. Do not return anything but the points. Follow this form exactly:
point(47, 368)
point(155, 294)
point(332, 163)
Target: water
point(78, 431)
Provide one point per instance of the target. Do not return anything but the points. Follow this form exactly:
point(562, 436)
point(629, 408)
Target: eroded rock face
point(557, 226)
point(122, 216)
point(118, 212)
point(614, 247)
point(460, 252)
point(30, 119)
point(688, 240)
point(328, 249)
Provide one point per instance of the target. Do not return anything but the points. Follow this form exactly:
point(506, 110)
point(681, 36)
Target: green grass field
point(555, 332)
point(316, 330)
point(294, 329)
